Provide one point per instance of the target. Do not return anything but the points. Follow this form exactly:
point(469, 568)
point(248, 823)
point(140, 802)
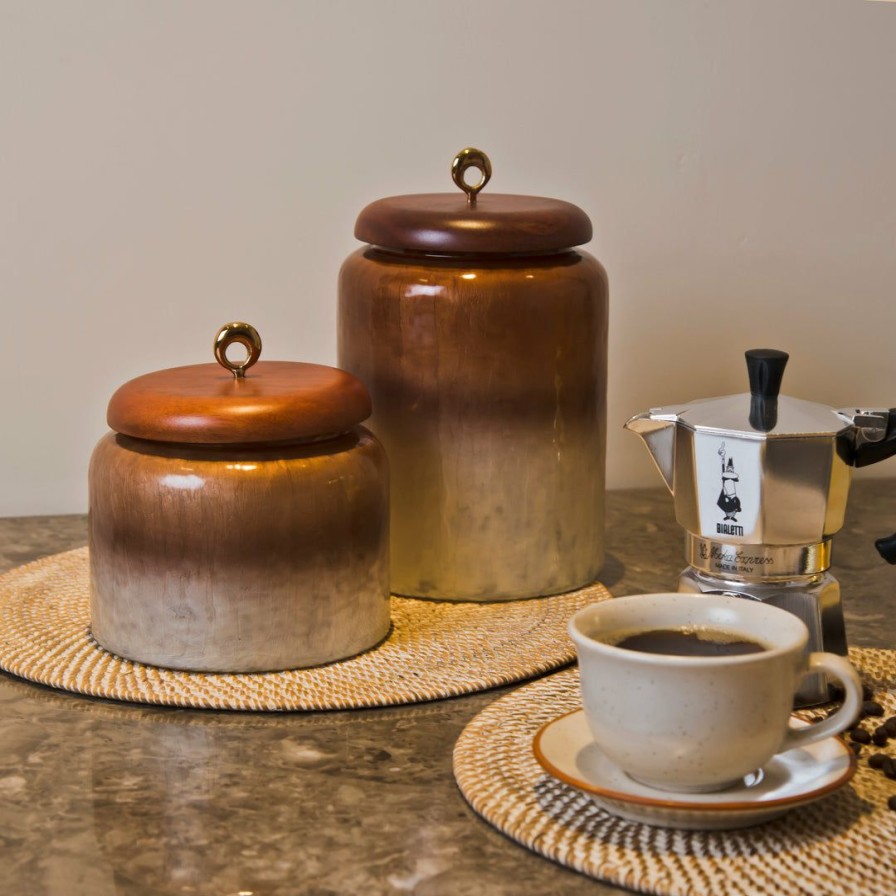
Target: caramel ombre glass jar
point(481, 334)
point(239, 517)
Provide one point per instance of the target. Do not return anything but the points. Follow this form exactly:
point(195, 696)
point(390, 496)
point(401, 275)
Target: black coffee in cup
point(688, 642)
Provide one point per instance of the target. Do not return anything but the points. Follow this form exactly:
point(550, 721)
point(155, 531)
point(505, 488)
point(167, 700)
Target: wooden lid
point(276, 401)
point(490, 224)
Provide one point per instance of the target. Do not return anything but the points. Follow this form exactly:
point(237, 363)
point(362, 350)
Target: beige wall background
point(165, 167)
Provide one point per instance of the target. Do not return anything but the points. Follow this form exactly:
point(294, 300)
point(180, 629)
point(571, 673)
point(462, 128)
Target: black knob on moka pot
point(765, 367)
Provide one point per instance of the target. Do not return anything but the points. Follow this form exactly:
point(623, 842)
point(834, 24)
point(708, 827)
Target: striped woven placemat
point(434, 650)
point(842, 845)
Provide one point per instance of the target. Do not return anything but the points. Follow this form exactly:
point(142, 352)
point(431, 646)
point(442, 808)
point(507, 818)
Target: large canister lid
point(227, 403)
point(487, 224)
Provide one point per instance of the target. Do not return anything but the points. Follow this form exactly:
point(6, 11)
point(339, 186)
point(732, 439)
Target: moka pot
point(760, 482)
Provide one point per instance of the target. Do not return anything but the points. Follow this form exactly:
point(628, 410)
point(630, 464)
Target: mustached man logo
point(728, 501)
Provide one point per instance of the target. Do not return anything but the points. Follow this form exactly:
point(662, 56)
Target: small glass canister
point(481, 334)
point(239, 518)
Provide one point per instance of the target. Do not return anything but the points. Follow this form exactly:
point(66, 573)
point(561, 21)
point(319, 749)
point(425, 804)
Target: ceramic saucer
point(566, 751)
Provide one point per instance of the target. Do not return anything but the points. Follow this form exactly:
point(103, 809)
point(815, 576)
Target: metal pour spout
point(657, 430)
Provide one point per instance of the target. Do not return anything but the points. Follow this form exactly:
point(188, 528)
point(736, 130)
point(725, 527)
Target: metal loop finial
point(247, 336)
point(463, 161)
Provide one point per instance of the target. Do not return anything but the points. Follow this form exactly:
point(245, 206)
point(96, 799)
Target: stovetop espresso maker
point(760, 483)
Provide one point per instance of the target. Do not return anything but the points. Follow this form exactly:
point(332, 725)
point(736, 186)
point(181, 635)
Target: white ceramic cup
point(694, 724)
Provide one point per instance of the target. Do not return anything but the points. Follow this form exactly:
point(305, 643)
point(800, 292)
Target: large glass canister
point(481, 334)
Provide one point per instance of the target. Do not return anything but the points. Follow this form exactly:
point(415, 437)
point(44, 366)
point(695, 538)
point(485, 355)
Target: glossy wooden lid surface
point(206, 404)
point(496, 224)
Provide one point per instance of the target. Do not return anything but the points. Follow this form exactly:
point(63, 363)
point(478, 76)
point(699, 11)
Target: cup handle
point(843, 671)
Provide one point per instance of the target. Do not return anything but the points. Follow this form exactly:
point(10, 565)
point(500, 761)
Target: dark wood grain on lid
point(205, 404)
point(496, 224)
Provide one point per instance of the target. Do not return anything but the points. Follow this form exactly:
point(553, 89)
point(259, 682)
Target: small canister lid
point(490, 224)
point(225, 403)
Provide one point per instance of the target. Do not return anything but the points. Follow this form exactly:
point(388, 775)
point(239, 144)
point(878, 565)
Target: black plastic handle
point(874, 452)
point(765, 367)
point(871, 453)
point(886, 547)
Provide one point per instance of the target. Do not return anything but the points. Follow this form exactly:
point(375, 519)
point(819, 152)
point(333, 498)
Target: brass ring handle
point(471, 158)
point(247, 336)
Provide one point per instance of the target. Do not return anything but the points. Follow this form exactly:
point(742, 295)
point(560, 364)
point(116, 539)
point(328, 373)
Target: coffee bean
point(891, 803)
point(879, 736)
point(889, 768)
point(856, 748)
point(890, 726)
point(867, 691)
point(860, 736)
point(876, 760)
point(872, 708)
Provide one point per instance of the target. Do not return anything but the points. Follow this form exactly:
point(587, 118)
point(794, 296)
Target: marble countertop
point(105, 798)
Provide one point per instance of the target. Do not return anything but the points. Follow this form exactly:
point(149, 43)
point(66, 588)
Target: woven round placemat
point(842, 844)
point(434, 650)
